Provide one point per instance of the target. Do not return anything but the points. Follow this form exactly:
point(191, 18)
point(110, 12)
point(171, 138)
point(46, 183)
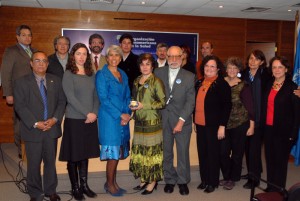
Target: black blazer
point(54, 66)
point(286, 109)
point(217, 103)
point(130, 67)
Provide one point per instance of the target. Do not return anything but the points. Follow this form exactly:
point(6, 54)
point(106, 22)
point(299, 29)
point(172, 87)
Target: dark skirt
point(79, 141)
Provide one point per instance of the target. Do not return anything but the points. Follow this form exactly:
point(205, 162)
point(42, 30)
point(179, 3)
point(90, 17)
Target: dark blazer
point(15, 64)
point(286, 109)
point(29, 106)
point(189, 66)
point(182, 102)
point(54, 66)
point(258, 88)
point(131, 68)
point(217, 103)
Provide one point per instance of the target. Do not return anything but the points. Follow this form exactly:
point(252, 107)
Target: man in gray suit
point(177, 120)
point(15, 64)
point(40, 104)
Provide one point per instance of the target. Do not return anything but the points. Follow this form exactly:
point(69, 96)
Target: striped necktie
point(28, 51)
point(44, 97)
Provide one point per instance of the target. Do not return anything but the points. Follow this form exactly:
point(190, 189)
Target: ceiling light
point(143, 2)
point(289, 10)
point(221, 6)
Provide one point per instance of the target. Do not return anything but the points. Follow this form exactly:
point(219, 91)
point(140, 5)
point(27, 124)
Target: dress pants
point(17, 136)
point(182, 139)
point(277, 150)
point(253, 152)
point(232, 151)
point(209, 154)
point(36, 153)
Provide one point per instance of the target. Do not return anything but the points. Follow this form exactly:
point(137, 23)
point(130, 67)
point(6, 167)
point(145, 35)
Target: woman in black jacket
point(281, 119)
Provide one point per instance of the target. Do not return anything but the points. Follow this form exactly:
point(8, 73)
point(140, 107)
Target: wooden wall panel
point(228, 35)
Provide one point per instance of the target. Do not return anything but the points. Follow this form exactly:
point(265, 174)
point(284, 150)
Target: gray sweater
point(81, 95)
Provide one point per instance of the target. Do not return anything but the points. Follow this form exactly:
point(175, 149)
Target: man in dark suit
point(15, 64)
point(58, 60)
point(177, 120)
point(129, 60)
point(40, 104)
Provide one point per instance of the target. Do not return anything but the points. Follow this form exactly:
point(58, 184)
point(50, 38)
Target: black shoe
point(249, 184)
point(53, 197)
point(146, 192)
point(202, 186)
point(169, 188)
point(20, 156)
point(183, 189)
point(245, 176)
point(209, 189)
point(139, 187)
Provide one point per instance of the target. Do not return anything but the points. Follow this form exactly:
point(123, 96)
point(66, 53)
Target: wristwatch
point(35, 125)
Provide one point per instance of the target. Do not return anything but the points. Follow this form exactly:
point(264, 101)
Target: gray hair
point(114, 48)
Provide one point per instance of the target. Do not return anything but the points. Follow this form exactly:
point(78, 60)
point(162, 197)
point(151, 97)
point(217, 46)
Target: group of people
point(233, 108)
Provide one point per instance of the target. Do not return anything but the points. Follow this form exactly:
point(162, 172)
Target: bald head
point(174, 56)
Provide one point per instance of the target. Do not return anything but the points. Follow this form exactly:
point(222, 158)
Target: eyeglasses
point(44, 61)
point(174, 56)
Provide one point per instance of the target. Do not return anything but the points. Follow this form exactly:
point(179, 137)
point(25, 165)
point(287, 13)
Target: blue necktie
point(44, 97)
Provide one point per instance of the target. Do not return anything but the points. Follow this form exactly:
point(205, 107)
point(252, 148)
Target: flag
point(296, 78)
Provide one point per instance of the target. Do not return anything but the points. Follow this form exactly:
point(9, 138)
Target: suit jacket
point(114, 98)
point(54, 66)
point(15, 64)
point(130, 67)
point(286, 109)
point(101, 63)
point(182, 102)
point(29, 106)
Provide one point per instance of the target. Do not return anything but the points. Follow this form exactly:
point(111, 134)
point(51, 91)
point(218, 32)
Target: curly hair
point(71, 65)
point(219, 63)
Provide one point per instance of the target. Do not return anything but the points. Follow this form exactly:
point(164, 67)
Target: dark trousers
point(208, 154)
point(277, 150)
point(232, 151)
point(36, 153)
point(253, 152)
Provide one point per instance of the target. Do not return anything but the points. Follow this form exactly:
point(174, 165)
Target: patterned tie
point(28, 51)
point(96, 62)
point(44, 97)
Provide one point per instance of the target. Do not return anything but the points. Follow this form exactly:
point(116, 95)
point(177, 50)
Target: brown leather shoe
point(53, 197)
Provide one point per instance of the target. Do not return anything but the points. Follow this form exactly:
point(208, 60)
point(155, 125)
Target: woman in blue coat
point(114, 115)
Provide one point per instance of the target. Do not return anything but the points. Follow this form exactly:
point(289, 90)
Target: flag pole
point(296, 32)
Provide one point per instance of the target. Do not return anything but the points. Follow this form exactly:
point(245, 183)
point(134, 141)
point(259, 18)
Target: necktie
point(44, 97)
point(96, 62)
point(28, 51)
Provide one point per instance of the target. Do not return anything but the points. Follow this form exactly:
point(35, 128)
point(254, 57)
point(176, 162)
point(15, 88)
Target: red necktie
point(96, 62)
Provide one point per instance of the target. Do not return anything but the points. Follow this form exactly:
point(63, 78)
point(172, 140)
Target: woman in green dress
point(147, 146)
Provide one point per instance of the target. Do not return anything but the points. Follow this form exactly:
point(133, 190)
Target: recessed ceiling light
point(221, 6)
point(143, 2)
point(289, 10)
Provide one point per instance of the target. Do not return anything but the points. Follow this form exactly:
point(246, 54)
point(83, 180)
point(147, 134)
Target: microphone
point(169, 99)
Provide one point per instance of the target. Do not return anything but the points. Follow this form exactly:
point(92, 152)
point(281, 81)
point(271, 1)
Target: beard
point(96, 49)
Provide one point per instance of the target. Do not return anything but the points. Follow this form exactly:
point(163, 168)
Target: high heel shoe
point(139, 187)
point(146, 192)
point(119, 193)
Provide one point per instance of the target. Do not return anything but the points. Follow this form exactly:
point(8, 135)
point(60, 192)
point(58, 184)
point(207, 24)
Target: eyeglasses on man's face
point(44, 61)
point(174, 56)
